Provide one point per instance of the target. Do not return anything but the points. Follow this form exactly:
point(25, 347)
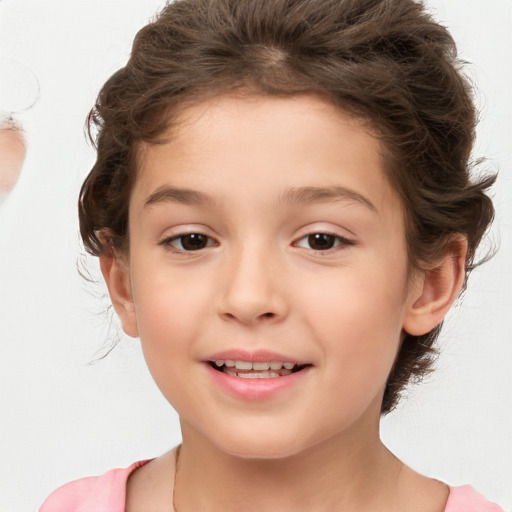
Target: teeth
point(247, 365)
point(243, 365)
point(258, 375)
point(262, 366)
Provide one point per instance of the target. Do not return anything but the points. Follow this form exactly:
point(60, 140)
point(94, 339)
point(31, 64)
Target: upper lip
point(253, 356)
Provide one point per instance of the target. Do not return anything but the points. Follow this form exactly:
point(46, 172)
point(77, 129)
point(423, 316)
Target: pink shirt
point(107, 493)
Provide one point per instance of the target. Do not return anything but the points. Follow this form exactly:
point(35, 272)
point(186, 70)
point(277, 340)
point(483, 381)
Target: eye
point(322, 241)
point(189, 242)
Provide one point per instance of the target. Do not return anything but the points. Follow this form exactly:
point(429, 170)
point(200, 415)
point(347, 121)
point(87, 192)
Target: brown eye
point(190, 242)
point(322, 241)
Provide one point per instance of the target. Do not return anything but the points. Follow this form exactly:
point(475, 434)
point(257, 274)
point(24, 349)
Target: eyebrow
point(294, 196)
point(166, 193)
point(307, 195)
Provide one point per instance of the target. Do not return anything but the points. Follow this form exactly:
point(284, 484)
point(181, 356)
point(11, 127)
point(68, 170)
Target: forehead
point(224, 144)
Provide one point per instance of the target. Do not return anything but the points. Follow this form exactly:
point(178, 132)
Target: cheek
point(165, 335)
point(358, 321)
point(165, 313)
point(171, 310)
point(166, 294)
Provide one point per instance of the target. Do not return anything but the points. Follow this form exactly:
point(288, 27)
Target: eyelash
point(339, 242)
point(168, 242)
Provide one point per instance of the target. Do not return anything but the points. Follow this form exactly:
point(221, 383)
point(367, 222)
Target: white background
point(62, 418)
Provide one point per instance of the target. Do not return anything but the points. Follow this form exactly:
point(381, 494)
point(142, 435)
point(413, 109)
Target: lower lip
point(255, 389)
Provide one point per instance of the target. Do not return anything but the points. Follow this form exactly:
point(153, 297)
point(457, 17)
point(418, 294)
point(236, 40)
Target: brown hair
point(385, 61)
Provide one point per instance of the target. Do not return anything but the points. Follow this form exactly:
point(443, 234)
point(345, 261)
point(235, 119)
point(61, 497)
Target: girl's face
point(264, 231)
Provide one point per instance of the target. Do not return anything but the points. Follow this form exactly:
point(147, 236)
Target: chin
point(269, 443)
point(263, 451)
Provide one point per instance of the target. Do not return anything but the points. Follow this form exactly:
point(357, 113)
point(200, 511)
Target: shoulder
point(92, 494)
point(466, 499)
point(148, 487)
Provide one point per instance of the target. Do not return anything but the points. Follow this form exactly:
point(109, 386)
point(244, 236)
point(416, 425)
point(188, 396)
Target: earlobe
point(435, 290)
point(117, 277)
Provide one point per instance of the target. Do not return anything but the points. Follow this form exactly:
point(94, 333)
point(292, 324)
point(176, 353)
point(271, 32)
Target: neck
point(334, 475)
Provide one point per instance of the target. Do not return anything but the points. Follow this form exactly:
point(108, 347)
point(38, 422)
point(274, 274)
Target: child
point(283, 213)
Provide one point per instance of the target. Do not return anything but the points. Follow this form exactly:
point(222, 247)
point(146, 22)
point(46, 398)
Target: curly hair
point(387, 62)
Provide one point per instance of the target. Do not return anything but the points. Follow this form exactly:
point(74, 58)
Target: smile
point(255, 370)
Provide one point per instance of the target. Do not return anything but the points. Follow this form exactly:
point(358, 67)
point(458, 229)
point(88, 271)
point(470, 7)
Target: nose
point(253, 289)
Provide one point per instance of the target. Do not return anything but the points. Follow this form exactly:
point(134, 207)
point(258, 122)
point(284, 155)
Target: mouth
point(256, 370)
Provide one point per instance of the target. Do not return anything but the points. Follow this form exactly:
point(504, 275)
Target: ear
point(116, 273)
point(435, 290)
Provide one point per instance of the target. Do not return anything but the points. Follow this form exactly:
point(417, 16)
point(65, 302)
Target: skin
point(12, 151)
point(258, 283)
